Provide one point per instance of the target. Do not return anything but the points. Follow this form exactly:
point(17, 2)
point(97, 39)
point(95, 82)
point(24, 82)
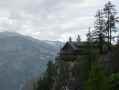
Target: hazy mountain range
point(22, 58)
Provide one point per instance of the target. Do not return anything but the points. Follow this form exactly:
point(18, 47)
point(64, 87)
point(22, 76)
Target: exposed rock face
point(111, 62)
point(68, 77)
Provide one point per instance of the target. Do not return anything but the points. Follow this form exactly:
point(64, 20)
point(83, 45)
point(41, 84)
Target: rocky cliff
point(68, 77)
point(111, 62)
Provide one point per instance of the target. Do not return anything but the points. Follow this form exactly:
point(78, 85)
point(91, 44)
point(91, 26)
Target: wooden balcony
point(68, 58)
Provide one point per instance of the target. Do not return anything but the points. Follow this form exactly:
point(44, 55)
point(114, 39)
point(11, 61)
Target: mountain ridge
point(55, 45)
point(21, 60)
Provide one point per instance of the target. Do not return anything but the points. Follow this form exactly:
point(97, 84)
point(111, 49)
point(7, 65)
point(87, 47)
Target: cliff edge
point(68, 77)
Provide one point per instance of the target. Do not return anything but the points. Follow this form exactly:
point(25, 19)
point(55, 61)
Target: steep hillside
point(21, 60)
point(29, 85)
point(54, 44)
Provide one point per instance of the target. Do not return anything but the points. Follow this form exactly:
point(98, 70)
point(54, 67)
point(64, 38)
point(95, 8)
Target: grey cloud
point(49, 19)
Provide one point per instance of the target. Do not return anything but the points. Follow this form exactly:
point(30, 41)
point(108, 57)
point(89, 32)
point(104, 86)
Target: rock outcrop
point(68, 77)
point(111, 62)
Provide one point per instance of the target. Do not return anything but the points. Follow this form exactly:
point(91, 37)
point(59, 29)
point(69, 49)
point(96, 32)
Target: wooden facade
point(71, 51)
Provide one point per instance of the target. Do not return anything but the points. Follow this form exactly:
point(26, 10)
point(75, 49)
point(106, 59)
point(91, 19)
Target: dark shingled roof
point(75, 45)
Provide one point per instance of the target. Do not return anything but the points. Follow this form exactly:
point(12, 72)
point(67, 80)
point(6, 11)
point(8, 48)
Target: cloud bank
point(50, 19)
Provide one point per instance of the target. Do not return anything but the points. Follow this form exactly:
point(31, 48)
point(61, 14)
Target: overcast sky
point(50, 19)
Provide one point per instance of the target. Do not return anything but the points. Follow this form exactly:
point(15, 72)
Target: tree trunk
point(108, 34)
point(100, 45)
point(110, 40)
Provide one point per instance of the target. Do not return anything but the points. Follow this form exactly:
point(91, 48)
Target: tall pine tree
point(89, 56)
point(99, 33)
point(78, 39)
point(111, 20)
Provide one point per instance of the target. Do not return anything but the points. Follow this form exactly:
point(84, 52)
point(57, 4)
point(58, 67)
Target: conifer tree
point(97, 79)
point(45, 83)
point(89, 48)
point(88, 57)
point(78, 39)
point(111, 20)
point(99, 33)
point(70, 39)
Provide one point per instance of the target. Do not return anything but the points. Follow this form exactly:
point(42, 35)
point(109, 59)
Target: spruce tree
point(98, 33)
point(89, 48)
point(111, 20)
point(97, 79)
point(78, 39)
point(88, 57)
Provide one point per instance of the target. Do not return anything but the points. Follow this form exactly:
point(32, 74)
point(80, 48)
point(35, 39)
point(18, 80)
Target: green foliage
point(79, 59)
point(97, 79)
point(50, 69)
point(110, 21)
point(87, 65)
point(89, 57)
point(114, 82)
point(45, 83)
point(99, 32)
point(92, 70)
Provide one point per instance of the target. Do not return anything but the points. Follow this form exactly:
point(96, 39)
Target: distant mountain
point(8, 34)
point(55, 45)
point(22, 59)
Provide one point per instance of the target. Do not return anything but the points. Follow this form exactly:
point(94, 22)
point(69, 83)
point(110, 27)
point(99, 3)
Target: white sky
point(50, 19)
